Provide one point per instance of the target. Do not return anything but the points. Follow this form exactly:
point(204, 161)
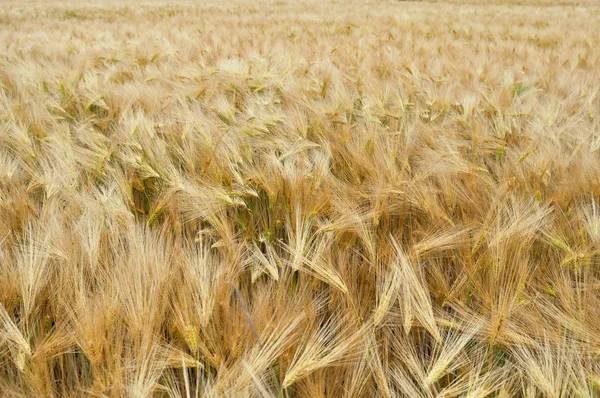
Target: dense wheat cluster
point(299, 199)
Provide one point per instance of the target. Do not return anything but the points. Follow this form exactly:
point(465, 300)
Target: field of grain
point(299, 199)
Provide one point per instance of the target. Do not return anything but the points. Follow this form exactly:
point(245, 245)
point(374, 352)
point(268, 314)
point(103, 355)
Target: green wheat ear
point(520, 89)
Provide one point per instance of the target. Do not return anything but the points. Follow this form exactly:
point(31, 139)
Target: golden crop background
point(299, 199)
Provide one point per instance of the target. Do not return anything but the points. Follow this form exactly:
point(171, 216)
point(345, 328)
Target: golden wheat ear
point(328, 347)
point(414, 297)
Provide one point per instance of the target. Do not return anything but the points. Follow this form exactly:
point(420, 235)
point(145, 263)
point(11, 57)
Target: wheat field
point(299, 199)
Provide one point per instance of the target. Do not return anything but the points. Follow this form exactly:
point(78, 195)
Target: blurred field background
point(299, 199)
